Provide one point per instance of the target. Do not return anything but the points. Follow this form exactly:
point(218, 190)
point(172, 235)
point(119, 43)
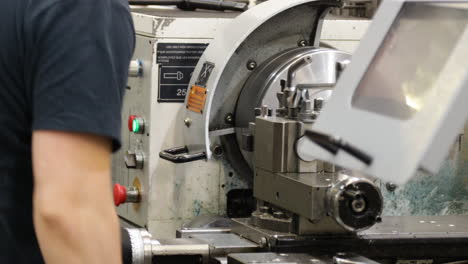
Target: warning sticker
point(196, 99)
point(205, 74)
point(177, 62)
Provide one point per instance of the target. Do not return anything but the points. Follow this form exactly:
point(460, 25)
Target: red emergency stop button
point(120, 194)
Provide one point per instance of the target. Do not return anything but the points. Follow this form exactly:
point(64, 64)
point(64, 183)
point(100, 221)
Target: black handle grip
point(219, 5)
point(333, 144)
point(181, 155)
point(357, 153)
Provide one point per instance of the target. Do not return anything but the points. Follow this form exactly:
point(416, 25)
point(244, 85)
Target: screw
point(391, 187)
point(187, 122)
point(258, 111)
point(279, 215)
point(251, 65)
point(358, 205)
point(318, 104)
point(263, 242)
point(217, 150)
point(302, 43)
point(264, 110)
point(229, 119)
point(264, 209)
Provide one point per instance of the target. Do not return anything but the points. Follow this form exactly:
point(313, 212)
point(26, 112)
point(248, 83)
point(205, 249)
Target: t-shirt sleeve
point(79, 52)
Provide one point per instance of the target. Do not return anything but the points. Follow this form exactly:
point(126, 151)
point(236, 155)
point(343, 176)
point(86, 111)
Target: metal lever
point(291, 93)
point(333, 144)
point(181, 155)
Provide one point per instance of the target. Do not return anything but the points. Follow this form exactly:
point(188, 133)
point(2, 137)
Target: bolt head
point(302, 43)
point(251, 65)
point(358, 205)
point(218, 150)
point(264, 209)
point(187, 122)
point(263, 242)
point(229, 119)
point(258, 111)
point(318, 104)
point(391, 187)
point(279, 215)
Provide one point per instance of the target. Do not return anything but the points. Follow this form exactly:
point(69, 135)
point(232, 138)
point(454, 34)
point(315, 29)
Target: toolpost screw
point(279, 215)
point(264, 209)
point(263, 242)
point(318, 104)
point(264, 111)
point(258, 111)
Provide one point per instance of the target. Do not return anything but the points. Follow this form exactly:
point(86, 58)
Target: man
point(63, 69)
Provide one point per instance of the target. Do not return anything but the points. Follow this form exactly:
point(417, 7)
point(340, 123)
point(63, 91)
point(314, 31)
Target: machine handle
point(219, 5)
point(334, 144)
point(181, 155)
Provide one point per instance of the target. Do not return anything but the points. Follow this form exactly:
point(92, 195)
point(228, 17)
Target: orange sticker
point(196, 99)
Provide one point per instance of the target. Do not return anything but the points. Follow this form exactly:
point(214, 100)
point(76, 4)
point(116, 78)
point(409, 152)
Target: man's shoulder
point(40, 15)
point(36, 7)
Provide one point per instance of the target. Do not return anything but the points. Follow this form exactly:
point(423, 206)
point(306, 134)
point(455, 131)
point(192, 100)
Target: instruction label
point(177, 62)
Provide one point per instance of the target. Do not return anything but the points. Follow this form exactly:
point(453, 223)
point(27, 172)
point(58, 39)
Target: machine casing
point(174, 194)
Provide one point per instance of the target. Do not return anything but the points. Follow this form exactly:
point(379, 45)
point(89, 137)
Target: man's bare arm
point(74, 215)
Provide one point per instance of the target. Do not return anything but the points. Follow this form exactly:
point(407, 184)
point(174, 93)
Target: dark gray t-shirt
point(63, 66)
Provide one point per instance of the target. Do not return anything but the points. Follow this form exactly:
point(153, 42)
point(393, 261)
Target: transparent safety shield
point(404, 97)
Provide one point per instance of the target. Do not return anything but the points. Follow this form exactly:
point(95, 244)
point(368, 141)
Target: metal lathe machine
point(283, 139)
